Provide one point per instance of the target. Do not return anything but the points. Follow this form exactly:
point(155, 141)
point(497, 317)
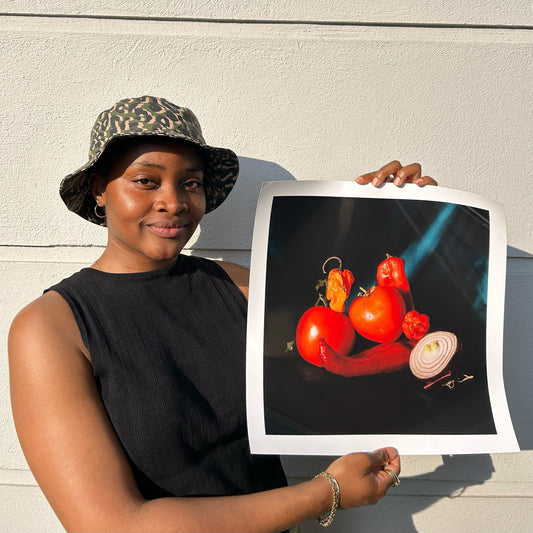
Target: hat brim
point(221, 172)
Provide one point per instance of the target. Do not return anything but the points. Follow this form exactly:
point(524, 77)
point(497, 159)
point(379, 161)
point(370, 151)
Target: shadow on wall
point(231, 225)
point(415, 494)
point(418, 493)
point(517, 342)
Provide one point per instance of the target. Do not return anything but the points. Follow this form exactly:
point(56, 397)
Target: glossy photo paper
point(337, 369)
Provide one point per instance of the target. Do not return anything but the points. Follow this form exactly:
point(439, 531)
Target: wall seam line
point(430, 25)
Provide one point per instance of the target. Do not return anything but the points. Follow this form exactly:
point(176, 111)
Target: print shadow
point(417, 493)
point(517, 342)
point(230, 226)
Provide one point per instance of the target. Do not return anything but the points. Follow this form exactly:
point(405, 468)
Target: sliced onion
point(432, 354)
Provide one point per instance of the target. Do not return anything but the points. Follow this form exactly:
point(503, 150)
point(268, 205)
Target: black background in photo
point(446, 250)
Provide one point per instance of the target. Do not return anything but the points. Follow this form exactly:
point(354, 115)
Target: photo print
point(376, 318)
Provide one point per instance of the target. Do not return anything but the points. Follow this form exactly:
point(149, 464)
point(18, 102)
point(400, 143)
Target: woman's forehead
point(129, 151)
point(157, 144)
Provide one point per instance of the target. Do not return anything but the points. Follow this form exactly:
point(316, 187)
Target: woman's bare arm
point(239, 274)
point(82, 469)
point(62, 426)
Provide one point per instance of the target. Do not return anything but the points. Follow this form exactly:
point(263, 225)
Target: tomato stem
point(365, 293)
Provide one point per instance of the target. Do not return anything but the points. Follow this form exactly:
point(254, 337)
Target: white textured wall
point(304, 90)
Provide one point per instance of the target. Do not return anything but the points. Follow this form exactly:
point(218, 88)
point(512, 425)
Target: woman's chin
point(164, 259)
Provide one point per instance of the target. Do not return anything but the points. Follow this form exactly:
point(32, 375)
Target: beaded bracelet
point(326, 521)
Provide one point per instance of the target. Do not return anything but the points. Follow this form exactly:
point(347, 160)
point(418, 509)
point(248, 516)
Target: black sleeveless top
point(168, 354)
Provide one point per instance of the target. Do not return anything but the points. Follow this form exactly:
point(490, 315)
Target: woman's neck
point(109, 262)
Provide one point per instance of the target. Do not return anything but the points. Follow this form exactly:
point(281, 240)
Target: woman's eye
point(144, 181)
point(193, 185)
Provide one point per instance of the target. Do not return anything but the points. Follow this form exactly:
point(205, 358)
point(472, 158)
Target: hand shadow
point(416, 493)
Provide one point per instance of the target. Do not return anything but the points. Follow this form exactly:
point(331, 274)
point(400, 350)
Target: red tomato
point(334, 327)
point(378, 314)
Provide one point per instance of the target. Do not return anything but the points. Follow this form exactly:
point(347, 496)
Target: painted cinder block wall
point(300, 90)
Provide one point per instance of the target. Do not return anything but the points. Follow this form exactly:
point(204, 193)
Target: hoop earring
point(99, 215)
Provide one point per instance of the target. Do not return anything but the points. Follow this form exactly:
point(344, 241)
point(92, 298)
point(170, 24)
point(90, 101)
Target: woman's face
point(154, 200)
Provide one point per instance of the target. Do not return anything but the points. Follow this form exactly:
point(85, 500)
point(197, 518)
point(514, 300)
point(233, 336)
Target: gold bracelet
point(326, 521)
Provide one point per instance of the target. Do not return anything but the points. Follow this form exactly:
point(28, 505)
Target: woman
point(127, 379)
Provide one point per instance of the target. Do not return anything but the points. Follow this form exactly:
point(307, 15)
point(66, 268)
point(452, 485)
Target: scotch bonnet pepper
point(338, 286)
point(391, 273)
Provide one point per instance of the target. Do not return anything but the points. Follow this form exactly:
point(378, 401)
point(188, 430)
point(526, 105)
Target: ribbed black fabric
point(168, 353)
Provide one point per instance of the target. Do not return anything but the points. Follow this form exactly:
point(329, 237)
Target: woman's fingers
point(426, 180)
point(387, 173)
point(385, 457)
point(388, 472)
point(408, 174)
point(362, 477)
point(384, 466)
point(398, 174)
point(379, 177)
point(382, 460)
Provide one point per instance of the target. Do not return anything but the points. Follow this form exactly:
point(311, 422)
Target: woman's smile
point(167, 231)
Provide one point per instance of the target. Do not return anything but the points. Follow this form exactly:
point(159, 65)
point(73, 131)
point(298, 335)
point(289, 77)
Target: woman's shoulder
point(48, 308)
point(46, 321)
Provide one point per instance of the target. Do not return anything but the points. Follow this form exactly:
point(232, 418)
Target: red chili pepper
point(415, 325)
point(380, 359)
point(391, 273)
point(338, 288)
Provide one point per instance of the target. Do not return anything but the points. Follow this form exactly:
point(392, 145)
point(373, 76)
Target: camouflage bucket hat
point(149, 116)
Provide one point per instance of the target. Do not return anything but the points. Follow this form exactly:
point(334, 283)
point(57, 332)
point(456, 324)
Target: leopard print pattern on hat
point(149, 116)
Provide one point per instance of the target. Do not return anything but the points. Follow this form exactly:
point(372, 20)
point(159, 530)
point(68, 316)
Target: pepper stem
point(320, 299)
point(329, 259)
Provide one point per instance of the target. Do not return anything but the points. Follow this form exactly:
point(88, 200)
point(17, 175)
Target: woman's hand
point(362, 477)
point(398, 174)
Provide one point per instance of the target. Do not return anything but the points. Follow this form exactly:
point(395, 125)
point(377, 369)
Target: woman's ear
point(98, 186)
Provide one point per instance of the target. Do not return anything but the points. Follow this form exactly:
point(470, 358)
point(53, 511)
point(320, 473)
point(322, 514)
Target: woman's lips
point(167, 232)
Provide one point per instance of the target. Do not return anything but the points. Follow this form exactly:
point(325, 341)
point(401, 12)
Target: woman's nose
point(171, 200)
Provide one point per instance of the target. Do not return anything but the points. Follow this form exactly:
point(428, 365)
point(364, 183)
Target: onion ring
point(432, 354)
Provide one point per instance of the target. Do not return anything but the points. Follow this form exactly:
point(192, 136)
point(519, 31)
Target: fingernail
point(375, 182)
point(397, 181)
